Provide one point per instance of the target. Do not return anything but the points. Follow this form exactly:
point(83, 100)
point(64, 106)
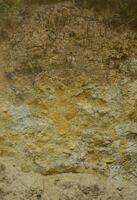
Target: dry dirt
point(16, 185)
point(68, 102)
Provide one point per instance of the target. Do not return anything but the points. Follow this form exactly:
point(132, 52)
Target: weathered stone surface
point(71, 97)
point(18, 185)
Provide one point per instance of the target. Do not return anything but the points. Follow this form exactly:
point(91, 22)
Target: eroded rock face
point(68, 96)
point(18, 185)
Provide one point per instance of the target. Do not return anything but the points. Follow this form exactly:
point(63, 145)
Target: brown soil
point(66, 68)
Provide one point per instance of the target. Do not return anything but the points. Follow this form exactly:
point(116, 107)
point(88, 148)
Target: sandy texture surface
point(68, 102)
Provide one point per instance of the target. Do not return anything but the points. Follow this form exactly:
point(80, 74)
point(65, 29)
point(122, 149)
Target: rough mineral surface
point(68, 106)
